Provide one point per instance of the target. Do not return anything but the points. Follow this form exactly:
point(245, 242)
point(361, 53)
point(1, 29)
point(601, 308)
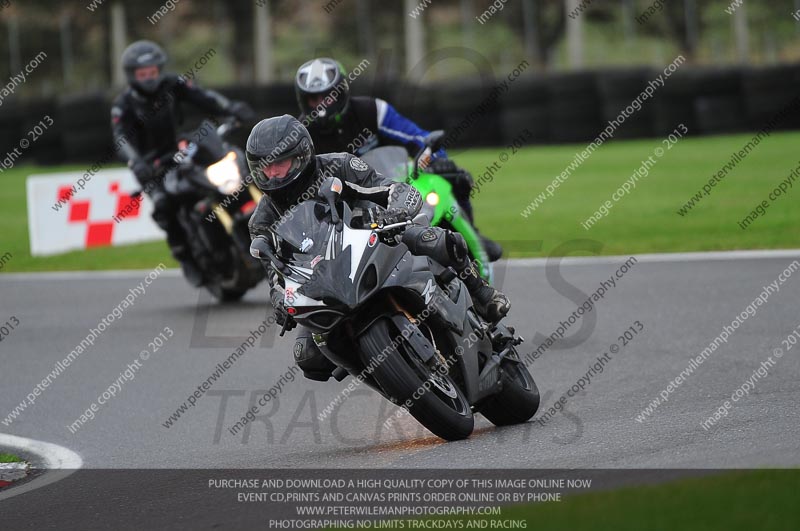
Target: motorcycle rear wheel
point(442, 408)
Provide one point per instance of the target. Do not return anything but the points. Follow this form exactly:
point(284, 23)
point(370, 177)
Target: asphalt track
point(682, 304)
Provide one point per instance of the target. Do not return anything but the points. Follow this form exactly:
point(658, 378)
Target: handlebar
point(392, 226)
point(223, 129)
point(181, 155)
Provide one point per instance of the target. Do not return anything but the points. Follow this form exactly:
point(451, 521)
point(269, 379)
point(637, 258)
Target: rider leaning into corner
point(321, 86)
point(144, 119)
point(284, 165)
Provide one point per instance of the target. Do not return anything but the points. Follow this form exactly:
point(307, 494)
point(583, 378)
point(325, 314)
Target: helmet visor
point(147, 78)
point(316, 102)
point(279, 169)
point(274, 174)
point(147, 73)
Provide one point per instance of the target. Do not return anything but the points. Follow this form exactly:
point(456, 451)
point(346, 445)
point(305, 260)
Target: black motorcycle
point(404, 324)
point(209, 179)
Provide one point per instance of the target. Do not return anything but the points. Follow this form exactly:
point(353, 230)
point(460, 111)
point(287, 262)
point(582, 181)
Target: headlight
point(225, 174)
point(432, 199)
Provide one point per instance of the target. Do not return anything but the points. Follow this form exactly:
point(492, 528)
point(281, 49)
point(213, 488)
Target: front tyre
point(225, 294)
point(433, 398)
point(232, 288)
point(519, 399)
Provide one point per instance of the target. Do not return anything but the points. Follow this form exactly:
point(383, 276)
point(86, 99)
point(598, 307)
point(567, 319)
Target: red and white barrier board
point(63, 217)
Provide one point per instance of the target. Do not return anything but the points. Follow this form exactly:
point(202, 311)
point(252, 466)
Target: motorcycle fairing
point(349, 266)
point(338, 266)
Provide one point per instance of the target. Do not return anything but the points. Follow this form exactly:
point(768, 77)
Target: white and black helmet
point(143, 54)
point(275, 140)
point(325, 78)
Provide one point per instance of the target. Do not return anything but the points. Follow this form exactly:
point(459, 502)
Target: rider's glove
point(142, 170)
point(241, 111)
point(403, 196)
point(441, 166)
point(282, 317)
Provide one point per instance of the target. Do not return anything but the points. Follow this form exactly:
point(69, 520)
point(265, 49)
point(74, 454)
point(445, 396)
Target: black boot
point(493, 249)
point(490, 303)
point(447, 247)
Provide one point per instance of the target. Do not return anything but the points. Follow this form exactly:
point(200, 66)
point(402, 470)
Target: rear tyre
point(442, 407)
point(519, 399)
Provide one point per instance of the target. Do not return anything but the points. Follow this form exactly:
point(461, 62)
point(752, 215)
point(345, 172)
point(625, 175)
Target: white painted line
point(663, 258)
point(60, 462)
point(111, 274)
point(512, 262)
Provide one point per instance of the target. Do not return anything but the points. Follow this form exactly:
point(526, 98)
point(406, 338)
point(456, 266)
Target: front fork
point(225, 217)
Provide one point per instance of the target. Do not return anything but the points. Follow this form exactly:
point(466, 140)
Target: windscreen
point(307, 230)
point(389, 161)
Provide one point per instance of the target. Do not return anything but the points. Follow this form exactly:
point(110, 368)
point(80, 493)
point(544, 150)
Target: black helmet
point(143, 54)
point(327, 79)
point(273, 141)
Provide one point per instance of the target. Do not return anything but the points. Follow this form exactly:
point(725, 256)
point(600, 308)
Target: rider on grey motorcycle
point(283, 164)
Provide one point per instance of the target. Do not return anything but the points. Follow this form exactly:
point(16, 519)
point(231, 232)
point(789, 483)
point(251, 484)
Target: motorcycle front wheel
point(231, 289)
point(225, 294)
point(519, 399)
point(431, 398)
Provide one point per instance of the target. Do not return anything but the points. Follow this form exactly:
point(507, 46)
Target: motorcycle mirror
point(435, 139)
point(422, 219)
point(433, 142)
point(329, 191)
point(330, 187)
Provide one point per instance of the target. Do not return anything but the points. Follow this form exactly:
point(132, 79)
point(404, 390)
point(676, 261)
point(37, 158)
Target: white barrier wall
point(63, 216)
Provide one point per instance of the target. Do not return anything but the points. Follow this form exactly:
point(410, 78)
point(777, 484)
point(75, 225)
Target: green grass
point(763, 499)
point(643, 221)
point(9, 458)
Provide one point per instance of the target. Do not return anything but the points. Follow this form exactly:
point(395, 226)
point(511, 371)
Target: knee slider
point(304, 349)
point(310, 359)
point(457, 247)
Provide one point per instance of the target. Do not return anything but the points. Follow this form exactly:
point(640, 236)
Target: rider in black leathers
point(338, 122)
point(143, 121)
point(283, 164)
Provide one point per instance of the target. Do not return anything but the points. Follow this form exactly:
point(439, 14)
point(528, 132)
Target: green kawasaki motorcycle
point(441, 206)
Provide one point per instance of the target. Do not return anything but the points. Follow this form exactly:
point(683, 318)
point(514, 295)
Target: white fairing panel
point(292, 298)
point(357, 240)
